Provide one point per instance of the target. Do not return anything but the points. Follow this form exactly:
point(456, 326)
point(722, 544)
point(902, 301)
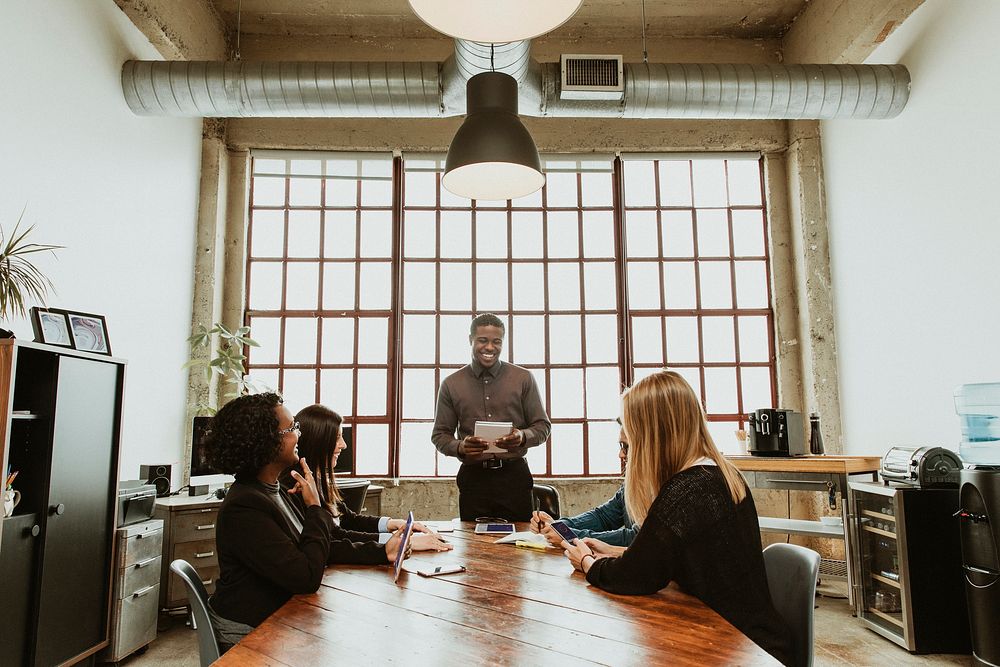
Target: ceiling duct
point(425, 89)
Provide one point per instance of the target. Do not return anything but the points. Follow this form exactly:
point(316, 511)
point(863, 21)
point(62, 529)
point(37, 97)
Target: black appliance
point(136, 500)
point(979, 494)
point(157, 474)
point(776, 432)
point(924, 467)
point(345, 463)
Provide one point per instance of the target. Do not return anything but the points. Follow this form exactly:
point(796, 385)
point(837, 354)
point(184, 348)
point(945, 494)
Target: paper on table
point(526, 536)
point(491, 431)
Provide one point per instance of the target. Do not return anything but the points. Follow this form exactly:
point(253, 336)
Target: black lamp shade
point(492, 156)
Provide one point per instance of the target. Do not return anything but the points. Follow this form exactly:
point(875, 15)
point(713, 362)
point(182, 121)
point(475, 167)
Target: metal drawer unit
point(189, 533)
point(138, 550)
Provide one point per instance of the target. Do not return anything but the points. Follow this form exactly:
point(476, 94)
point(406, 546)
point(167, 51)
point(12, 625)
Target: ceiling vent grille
point(591, 77)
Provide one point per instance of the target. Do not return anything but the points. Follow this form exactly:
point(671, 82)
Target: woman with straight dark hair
point(699, 523)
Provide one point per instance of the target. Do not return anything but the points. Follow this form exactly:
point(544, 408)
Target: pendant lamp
point(492, 155)
point(494, 21)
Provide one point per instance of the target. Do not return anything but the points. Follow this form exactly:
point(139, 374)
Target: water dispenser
point(978, 408)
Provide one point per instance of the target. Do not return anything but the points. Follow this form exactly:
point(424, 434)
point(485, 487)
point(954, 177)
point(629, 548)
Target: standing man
point(490, 485)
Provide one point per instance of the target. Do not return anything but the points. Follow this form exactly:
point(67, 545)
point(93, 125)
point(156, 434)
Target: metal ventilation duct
point(422, 90)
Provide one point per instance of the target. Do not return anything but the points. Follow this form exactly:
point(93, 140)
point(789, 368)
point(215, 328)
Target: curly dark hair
point(243, 436)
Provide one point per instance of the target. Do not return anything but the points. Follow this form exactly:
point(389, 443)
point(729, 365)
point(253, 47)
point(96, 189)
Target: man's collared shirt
point(502, 392)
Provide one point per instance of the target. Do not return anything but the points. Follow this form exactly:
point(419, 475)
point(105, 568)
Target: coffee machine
point(776, 432)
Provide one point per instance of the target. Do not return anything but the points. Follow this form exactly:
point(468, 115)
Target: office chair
point(791, 578)
point(208, 646)
point(353, 491)
point(546, 499)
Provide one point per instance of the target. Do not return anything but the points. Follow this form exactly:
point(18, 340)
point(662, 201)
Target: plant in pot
point(21, 281)
point(227, 363)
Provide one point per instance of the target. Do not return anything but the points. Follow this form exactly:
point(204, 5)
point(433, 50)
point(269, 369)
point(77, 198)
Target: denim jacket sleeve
point(608, 522)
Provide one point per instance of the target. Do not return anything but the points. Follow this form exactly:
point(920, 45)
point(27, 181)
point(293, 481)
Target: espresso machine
point(776, 432)
point(978, 407)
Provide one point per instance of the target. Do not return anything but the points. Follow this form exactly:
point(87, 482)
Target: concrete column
point(235, 241)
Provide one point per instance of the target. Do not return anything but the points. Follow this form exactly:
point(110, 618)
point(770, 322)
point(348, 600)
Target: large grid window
point(364, 273)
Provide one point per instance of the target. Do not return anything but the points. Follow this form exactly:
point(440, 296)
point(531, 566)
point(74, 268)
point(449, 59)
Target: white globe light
point(495, 21)
point(493, 181)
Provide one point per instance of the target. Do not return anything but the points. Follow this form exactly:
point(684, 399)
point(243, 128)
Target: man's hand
point(392, 546)
point(539, 520)
point(429, 543)
point(512, 440)
point(472, 446)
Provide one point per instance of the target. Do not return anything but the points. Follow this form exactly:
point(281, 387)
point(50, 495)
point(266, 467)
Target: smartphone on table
point(440, 569)
point(564, 530)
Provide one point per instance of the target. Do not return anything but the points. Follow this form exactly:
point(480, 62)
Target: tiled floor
point(840, 640)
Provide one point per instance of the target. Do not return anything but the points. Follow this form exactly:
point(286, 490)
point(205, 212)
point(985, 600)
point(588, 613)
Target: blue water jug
point(978, 408)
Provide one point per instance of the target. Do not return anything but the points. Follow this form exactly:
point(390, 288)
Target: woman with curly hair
point(270, 548)
point(698, 520)
point(321, 440)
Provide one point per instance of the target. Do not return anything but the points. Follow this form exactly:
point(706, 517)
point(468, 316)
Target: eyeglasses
point(490, 519)
point(293, 427)
point(623, 445)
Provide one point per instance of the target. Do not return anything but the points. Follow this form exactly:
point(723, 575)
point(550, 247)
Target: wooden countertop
point(825, 464)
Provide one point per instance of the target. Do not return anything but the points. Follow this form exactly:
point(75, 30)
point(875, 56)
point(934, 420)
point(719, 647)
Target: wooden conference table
point(513, 606)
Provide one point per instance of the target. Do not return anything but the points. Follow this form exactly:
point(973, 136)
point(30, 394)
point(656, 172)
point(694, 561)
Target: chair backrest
point(208, 645)
point(353, 491)
point(791, 578)
point(546, 498)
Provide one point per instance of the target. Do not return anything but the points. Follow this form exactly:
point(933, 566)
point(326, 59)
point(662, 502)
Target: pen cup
point(11, 497)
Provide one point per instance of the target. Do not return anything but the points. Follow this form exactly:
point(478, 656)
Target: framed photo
point(89, 332)
point(51, 327)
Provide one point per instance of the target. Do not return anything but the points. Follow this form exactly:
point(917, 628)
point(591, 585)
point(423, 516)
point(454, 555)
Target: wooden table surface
point(513, 606)
point(826, 464)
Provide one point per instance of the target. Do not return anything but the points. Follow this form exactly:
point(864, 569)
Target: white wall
point(118, 191)
point(915, 236)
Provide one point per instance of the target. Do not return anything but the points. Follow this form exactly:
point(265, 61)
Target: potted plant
point(20, 280)
point(227, 362)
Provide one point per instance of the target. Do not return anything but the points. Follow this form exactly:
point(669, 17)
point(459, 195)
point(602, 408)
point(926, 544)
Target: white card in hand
point(491, 431)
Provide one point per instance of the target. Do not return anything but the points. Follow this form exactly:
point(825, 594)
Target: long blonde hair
point(667, 432)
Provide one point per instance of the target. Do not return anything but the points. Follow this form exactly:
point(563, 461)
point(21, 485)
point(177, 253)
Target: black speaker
point(158, 475)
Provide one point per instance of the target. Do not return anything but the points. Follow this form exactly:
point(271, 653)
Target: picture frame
point(51, 327)
point(89, 332)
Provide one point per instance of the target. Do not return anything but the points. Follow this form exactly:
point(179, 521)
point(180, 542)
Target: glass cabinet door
point(879, 549)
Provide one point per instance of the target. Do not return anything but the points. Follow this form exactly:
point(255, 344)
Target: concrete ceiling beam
point(843, 31)
point(190, 30)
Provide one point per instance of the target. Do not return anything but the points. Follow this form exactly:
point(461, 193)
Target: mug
point(11, 498)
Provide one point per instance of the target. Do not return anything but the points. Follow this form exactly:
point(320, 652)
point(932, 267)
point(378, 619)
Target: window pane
point(456, 287)
point(600, 286)
point(563, 234)
point(338, 286)
point(418, 339)
point(527, 337)
point(682, 340)
point(647, 340)
point(602, 445)
point(371, 391)
point(420, 235)
point(421, 188)
point(372, 449)
point(491, 234)
point(338, 340)
point(640, 188)
point(748, 233)
point(303, 191)
point(419, 286)
point(456, 234)
point(713, 233)
point(268, 191)
point(720, 390)
point(536, 459)
point(455, 347)
point(265, 330)
point(267, 234)
point(744, 182)
point(534, 200)
point(269, 166)
point(341, 234)
point(756, 388)
point(678, 234)
point(528, 289)
point(448, 465)
point(641, 234)
point(376, 193)
point(564, 286)
point(373, 340)
point(603, 393)
point(602, 339)
point(300, 340)
point(675, 183)
point(266, 379)
point(643, 285)
point(336, 390)
point(376, 285)
point(560, 189)
point(709, 182)
point(753, 339)
point(719, 343)
point(341, 192)
point(526, 234)
point(598, 234)
point(298, 389)
point(596, 189)
point(416, 453)
point(716, 285)
point(751, 284)
point(302, 292)
point(564, 339)
point(418, 394)
point(265, 286)
point(491, 287)
point(376, 234)
point(303, 233)
point(679, 289)
point(567, 392)
point(567, 449)
point(724, 435)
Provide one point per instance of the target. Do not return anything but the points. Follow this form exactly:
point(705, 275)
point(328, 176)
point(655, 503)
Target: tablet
point(403, 544)
point(494, 528)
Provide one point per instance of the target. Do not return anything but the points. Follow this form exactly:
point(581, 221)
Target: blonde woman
point(699, 523)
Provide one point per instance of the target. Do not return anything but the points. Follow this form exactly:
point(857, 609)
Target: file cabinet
point(188, 533)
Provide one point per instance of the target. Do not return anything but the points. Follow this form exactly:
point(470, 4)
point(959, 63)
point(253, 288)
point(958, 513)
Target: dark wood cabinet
point(61, 417)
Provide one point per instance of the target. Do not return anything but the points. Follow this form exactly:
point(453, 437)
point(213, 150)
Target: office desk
point(513, 606)
point(822, 474)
